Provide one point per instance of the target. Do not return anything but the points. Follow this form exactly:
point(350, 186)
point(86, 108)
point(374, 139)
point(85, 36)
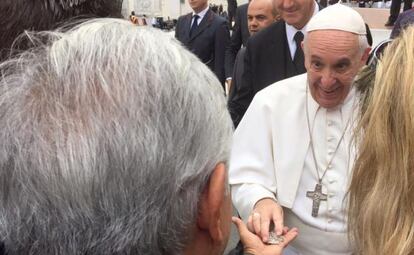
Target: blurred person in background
point(238, 38)
point(260, 14)
point(275, 53)
point(404, 20)
point(206, 34)
point(395, 10)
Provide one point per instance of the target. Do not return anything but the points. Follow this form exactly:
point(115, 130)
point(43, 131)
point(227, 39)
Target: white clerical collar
point(291, 31)
point(201, 14)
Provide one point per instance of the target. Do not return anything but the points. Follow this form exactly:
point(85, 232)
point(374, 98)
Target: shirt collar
point(291, 30)
point(202, 13)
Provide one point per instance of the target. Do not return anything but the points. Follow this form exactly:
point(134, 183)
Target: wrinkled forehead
point(333, 44)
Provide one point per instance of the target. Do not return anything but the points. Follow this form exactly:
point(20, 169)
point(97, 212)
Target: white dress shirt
point(200, 16)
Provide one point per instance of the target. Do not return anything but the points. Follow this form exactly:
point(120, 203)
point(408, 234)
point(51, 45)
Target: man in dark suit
point(206, 34)
point(395, 10)
point(231, 9)
point(239, 37)
point(274, 53)
point(260, 14)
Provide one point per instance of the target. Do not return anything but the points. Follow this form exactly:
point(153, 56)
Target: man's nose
point(254, 23)
point(328, 79)
point(287, 4)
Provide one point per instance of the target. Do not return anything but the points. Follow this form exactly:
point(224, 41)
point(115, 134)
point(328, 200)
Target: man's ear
point(211, 203)
point(365, 56)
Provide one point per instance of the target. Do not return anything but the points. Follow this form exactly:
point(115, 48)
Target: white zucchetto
point(338, 17)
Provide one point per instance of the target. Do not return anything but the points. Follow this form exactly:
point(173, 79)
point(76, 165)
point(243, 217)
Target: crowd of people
point(119, 139)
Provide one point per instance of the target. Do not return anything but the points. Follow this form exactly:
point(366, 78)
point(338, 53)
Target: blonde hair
point(381, 194)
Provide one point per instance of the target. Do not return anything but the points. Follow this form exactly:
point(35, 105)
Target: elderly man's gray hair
point(109, 134)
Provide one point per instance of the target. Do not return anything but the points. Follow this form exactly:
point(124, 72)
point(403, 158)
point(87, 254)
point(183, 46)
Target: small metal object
point(275, 239)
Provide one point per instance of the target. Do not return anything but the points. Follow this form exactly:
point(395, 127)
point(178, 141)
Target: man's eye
point(317, 65)
point(342, 66)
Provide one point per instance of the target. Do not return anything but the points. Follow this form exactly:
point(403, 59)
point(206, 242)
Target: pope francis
point(292, 152)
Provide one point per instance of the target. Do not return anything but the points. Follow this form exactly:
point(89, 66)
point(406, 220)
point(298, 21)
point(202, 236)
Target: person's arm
point(222, 38)
point(241, 98)
point(252, 169)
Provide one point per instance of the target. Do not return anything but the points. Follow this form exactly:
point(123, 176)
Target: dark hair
point(369, 35)
point(20, 15)
point(404, 20)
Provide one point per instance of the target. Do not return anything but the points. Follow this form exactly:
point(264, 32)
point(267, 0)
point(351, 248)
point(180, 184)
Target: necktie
point(298, 59)
point(195, 24)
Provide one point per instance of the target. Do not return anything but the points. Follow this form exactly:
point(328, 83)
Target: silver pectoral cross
point(317, 196)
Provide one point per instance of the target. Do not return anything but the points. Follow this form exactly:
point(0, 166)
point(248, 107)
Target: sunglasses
point(377, 52)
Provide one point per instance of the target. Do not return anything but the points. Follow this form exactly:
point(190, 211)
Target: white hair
point(363, 44)
point(109, 134)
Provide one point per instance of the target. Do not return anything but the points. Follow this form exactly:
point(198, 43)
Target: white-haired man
point(295, 171)
point(114, 148)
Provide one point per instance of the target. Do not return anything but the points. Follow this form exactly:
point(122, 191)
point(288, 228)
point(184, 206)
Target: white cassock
point(272, 157)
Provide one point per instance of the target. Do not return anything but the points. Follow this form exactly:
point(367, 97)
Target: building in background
point(164, 8)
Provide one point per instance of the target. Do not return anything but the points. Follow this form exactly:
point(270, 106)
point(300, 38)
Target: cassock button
point(330, 221)
point(331, 181)
point(331, 194)
point(329, 166)
point(330, 123)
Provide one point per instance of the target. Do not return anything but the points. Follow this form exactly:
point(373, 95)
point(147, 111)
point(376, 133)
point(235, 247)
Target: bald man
point(260, 14)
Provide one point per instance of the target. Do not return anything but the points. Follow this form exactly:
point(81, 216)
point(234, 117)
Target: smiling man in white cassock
point(292, 152)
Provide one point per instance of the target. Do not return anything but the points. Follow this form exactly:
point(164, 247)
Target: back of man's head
point(20, 15)
point(110, 133)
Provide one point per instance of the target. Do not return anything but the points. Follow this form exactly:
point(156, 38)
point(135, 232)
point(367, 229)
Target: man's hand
point(266, 211)
point(253, 245)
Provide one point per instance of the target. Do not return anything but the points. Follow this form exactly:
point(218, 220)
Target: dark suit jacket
point(231, 6)
point(208, 41)
point(237, 78)
point(239, 37)
point(267, 60)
